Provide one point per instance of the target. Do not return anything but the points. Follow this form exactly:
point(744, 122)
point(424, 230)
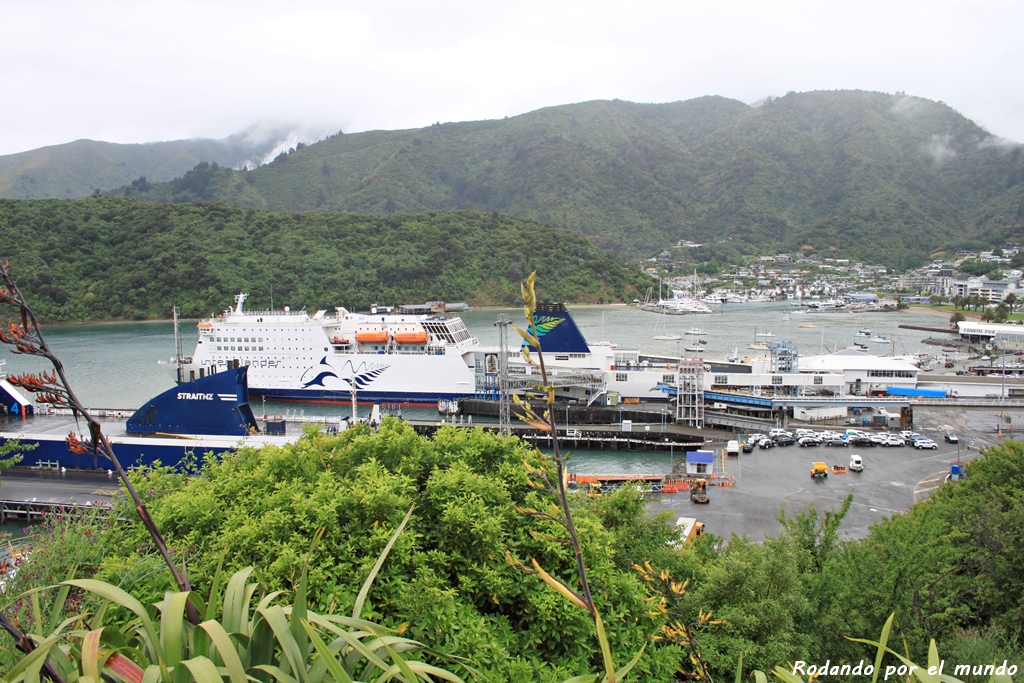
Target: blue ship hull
point(209, 415)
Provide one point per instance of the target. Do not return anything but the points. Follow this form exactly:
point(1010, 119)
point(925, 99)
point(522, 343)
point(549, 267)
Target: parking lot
point(893, 478)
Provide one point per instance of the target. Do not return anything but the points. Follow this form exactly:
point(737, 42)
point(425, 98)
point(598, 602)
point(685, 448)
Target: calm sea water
point(119, 366)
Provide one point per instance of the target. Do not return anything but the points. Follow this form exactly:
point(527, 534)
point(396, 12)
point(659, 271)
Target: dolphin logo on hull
point(360, 376)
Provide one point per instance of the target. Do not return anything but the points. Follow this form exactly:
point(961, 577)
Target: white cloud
point(132, 72)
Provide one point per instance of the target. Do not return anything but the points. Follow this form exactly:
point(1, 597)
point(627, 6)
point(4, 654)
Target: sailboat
point(665, 336)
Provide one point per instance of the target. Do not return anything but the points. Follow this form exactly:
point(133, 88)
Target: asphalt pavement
point(893, 478)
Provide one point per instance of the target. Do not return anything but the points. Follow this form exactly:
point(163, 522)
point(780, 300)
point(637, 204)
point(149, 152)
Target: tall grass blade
point(233, 600)
point(172, 627)
point(329, 659)
point(226, 649)
point(357, 609)
point(203, 670)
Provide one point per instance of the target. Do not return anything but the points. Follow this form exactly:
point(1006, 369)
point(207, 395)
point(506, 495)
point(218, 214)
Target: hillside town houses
point(789, 275)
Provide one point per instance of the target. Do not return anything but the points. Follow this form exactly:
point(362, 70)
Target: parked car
point(835, 441)
point(894, 440)
point(860, 441)
point(784, 440)
point(765, 443)
point(925, 443)
point(879, 439)
point(747, 447)
point(951, 438)
point(809, 441)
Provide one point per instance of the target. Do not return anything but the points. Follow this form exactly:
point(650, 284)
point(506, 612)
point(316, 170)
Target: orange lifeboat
point(205, 325)
point(371, 337)
point(411, 338)
point(339, 340)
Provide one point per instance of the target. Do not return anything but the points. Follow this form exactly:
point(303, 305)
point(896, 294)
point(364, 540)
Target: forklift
point(699, 491)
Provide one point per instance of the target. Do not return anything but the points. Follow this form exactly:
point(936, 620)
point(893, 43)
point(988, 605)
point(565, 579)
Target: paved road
point(54, 487)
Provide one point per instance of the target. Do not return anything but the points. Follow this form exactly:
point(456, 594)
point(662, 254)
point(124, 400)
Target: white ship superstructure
point(324, 358)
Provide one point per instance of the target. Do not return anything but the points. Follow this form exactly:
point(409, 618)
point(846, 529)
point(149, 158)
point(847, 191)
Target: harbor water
point(120, 366)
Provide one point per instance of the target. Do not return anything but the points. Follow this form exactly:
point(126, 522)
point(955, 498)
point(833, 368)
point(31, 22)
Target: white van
point(732, 448)
point(856, 463)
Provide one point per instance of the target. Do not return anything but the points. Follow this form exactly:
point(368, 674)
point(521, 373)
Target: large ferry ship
point(332, 358)
point(385, 357)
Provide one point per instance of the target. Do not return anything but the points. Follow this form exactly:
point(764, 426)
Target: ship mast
point(179, 360)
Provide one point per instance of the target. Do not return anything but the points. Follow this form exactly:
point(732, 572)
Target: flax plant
point(560, 511)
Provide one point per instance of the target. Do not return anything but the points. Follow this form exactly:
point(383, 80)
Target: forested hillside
point(876, 176)
point(103, 258)
point(79, 168)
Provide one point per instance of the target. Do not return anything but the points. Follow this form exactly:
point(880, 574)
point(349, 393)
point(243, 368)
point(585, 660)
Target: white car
point(926, 443)
point(879, 439)
point(894, 440)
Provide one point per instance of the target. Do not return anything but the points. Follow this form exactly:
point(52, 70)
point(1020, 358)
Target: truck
point(689, 529)
point(819, 470)
point(856, 463)
point(699, 491)
point(732, 448)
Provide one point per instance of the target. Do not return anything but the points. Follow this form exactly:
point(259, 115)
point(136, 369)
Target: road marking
point(920, 489)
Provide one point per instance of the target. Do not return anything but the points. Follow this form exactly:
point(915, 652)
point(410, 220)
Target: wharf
point(940, 330)
point(30, 494)
point(642, 437)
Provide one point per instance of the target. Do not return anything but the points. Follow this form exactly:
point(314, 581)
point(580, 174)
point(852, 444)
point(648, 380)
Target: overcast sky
point(143, 71)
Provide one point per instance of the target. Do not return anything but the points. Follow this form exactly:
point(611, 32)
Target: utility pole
point(504, 401)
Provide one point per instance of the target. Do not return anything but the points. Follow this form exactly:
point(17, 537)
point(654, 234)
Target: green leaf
point(334, 667)
point(606, 650)
point(119, 597)
point(172, 626)
point(277, 621)
point(234, 600)
point(357, 609)
point(226, 649)
point(621, 673)
point(40, 653)
point(279, 675)
point(203, 670)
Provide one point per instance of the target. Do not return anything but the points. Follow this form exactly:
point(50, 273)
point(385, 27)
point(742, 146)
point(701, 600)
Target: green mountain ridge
point(78, 168)
point(876, 176)
point(111, 258)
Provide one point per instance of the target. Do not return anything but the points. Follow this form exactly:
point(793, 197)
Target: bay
point(120, 366)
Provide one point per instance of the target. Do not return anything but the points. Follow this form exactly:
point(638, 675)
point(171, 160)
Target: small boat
point(760, 346)
point(786, 317)
point(668, 337)
point(695, 331)
point(880, 339)
point(766, 335)
point(807, 325)
point(702, 341)
point(863, 332)
point(694, 349)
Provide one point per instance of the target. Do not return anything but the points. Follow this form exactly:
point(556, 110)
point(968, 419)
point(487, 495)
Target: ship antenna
point(178, 359)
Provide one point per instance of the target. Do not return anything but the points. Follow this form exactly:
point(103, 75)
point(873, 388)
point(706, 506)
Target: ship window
point(261, 348)
point(621, 377)
point(668, 378)
point(721, 379)
point(818, 379)
point(219, 349)
point(777, 379)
